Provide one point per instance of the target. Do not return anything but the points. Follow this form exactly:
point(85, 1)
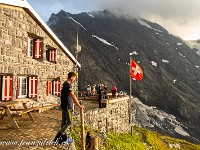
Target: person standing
point(67, 99)
point(88, 90)
point(114, 91)
point(93, 91)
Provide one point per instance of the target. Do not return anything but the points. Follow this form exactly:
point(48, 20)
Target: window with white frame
point(22, 87)
point(35, 46)
point(30, 47)
point(27, 87)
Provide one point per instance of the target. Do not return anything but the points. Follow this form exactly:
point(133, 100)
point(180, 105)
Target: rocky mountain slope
point(194, 44)
point(171, 79)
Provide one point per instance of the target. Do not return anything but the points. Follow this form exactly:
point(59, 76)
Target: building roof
point(25, 5)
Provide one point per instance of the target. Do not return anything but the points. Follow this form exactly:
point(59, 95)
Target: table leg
point(29, 113)
point(3, 112)
point(13, 122)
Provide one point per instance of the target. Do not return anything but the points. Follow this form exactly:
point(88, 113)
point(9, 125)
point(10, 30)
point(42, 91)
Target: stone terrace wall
point(114, 117)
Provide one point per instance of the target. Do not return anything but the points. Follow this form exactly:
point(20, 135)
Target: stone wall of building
point(15, 24)
point(115, 117)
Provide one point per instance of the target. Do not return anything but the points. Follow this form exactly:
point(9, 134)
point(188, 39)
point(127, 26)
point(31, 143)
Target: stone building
point(33, 61)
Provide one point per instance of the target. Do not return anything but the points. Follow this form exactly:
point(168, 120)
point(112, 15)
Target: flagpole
point(130, 93)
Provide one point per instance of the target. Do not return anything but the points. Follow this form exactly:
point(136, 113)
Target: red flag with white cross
point(135, 71)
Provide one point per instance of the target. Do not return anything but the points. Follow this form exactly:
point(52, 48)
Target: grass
point(140, 139)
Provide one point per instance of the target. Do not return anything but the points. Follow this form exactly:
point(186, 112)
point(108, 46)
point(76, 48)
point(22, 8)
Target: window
point(27, 87)
point(51, 55)
point(30, 47)
point(34, 48)
point(6, 84)
point(53, 87)
point(22, 91)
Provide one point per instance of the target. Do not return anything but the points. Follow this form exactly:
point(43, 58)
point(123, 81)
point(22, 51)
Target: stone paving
point(32, 135)
point(37, 134)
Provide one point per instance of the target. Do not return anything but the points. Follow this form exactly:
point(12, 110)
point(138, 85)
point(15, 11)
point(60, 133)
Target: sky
point(179, 17)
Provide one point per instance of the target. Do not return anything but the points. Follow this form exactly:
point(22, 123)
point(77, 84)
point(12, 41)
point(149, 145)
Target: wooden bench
point(12, 113)
point(24, 111)
point(47, 107)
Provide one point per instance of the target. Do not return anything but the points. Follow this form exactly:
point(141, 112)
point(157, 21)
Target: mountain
point(171, 79)
point(194, 44)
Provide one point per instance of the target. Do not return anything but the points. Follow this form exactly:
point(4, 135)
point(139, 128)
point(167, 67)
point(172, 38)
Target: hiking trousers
point(66, 120)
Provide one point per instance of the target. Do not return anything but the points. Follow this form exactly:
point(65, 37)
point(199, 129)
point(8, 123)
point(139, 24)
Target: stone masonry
point(115, 117)
point(15, 24)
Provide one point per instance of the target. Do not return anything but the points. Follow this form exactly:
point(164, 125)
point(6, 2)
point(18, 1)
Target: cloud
point(174, 9)
point(172, 14)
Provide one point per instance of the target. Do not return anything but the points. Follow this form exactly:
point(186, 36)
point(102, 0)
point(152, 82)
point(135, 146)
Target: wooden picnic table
point(7, 110)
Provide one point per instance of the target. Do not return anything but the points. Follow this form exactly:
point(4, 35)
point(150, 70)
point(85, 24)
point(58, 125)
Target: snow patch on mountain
point(140, 21)
point(158, 33)
point(181, 54)
point(154, 63)
point(133, 53)
point(165, 61)
point(179, 44)
point(76, 21)
point(90, 15)
point(181, 131)
point(104, 41)
point(174, 81)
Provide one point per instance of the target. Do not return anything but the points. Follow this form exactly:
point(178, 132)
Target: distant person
point(114, 91)
point(67, 99)
point(97, 88)
point(88, 90)
point(100, 96)
point(105, 89)
point(93, 90)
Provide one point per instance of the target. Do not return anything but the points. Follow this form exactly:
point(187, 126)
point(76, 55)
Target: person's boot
point(58, 136)
point(64, 137)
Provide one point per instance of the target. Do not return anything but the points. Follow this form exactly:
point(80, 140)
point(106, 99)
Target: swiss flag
point(135, 71)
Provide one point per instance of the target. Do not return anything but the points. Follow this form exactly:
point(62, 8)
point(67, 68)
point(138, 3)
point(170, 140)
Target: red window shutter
point(56, 88)
point(33, 82)
point(59, 88)
point(49, 87)
point(17, 88)
point(7, 88)
point(38, 48)
point(50, 55)
point(53, 55)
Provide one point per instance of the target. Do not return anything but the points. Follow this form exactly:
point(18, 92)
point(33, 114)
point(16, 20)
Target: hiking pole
point(82, 128)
